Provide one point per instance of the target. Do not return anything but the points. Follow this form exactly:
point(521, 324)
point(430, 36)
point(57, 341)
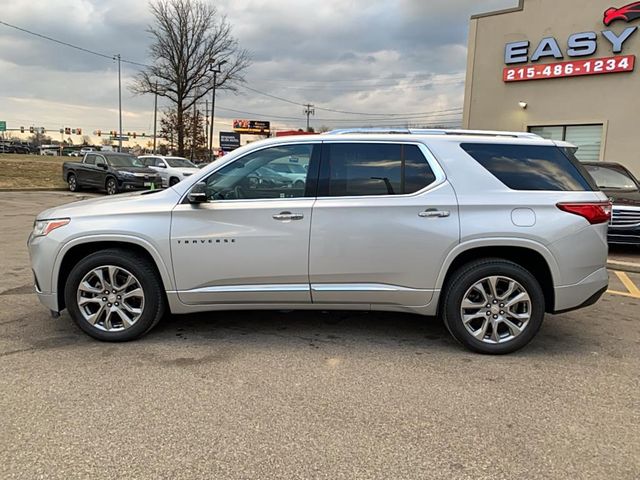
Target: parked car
point(112, 172)
point(488, 230)
point(624, 190)
point(171, 169)
point(296, 172)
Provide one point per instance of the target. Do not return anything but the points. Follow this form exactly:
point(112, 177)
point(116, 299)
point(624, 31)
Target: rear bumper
point(582, 294)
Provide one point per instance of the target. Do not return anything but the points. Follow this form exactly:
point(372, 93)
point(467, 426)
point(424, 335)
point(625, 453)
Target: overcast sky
point(391, 56)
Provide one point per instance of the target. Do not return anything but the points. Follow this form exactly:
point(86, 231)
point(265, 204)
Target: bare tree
point(189, 38)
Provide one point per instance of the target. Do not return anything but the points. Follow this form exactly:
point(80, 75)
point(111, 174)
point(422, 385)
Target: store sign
point(229, 141)
point(583, 44)
point(258, 127)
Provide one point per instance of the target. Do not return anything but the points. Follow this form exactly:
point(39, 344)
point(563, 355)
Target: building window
point(588, 138)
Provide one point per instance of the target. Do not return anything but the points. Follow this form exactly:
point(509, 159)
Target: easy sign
point(583, 44)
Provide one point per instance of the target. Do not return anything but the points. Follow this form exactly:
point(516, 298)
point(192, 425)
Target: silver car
point(488, 230)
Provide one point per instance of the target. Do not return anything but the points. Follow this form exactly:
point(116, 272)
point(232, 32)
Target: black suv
point(624, 189)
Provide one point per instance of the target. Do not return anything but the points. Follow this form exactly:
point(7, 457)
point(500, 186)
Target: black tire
point(173, 181)
point(111, 186)
point(150, 283)
point(467, 276)
point(72, 181)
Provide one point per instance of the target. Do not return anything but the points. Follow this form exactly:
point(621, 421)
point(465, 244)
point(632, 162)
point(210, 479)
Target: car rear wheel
point(72, 181)
point(114, 296)
point(111, 186)
point(493, 306)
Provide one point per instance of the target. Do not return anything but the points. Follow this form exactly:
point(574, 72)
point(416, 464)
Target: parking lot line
point(633, 290)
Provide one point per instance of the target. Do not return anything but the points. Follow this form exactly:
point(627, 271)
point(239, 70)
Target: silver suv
point(488, 230)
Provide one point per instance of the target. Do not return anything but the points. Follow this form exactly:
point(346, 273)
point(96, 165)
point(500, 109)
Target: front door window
point(260, 175)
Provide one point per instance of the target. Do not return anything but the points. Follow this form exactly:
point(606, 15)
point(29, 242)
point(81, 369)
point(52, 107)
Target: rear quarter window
point(531, 167)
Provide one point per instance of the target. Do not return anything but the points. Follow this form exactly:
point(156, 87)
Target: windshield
point(124, 161)
point(611, 178)
point(179, 162)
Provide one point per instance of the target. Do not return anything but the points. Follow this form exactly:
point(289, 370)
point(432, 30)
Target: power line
point(70, 45)
point(276, 97)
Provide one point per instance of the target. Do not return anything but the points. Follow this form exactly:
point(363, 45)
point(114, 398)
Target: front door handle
point(286, 216)
point(433, 213)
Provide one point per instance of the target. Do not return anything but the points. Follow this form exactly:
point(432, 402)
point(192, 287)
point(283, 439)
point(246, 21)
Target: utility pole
point(206, 121)
point(119, 105)
point(195, 126)
point(155, 117)
point(309, 110)
point(215, 69)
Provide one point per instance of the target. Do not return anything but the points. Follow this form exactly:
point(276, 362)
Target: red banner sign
point(594, 66)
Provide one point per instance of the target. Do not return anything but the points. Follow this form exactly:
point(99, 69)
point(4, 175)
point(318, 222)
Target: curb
point(623, 266)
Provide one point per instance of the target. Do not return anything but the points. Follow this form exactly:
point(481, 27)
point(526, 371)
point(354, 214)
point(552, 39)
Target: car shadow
point(324, 329)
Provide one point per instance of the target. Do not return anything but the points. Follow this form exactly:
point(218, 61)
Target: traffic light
point(31, 129)
point(99, 133)
point(79, 131)
point(67, 131)
point(21, 129)
point(134, 134)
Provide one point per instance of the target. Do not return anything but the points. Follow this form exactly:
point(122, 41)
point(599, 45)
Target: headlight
point(127, 174)
point(43, 227)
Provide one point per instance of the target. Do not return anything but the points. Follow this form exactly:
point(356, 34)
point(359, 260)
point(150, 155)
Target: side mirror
point(101, 165)
point(162, 165)
point(198, 193)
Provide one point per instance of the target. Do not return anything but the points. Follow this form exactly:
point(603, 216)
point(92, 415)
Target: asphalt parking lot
point(311, 394)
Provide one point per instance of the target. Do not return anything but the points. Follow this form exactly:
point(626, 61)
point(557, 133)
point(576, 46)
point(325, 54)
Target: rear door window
point(360, 169)
point(531, 167)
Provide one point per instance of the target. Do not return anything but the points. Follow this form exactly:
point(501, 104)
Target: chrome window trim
point(436, 168)
point(222, 165)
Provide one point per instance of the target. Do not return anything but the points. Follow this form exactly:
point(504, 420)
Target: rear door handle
point(433, 213)
point(286, 216)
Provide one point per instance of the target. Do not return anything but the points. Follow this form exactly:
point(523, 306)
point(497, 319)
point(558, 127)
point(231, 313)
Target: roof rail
point(433, 131)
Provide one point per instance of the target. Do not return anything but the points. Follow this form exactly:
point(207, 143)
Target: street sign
point(3, 126)
point(229, 141)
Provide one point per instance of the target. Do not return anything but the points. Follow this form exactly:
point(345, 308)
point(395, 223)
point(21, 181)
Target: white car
point(171, 169)
point(293, 171)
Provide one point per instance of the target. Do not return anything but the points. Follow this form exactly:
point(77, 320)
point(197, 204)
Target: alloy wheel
point(110, 298)
point(496, 309)
point(111, 187)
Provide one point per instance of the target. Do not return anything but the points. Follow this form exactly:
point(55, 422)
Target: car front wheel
point(73, 183)
point(493, 306)
point(111, 186)
point(113, 295)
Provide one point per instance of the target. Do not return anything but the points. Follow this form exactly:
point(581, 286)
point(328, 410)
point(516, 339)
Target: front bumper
point(583, 293)
point(43, 252)
point(139, 183)
point(624, 236)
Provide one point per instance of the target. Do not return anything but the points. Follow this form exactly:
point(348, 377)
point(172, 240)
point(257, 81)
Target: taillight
point(594, 212)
